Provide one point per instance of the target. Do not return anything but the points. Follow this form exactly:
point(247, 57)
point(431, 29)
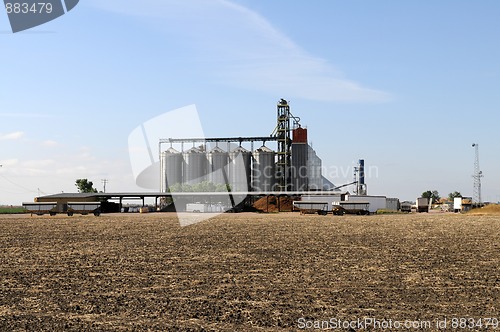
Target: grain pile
point(270, 204)
point(491, 209)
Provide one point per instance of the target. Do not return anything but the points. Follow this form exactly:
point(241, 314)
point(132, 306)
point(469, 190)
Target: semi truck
point(422, 204)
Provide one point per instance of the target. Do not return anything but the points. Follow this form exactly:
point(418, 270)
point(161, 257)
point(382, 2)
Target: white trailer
point(462, 204)
point(205, 208)
point(355, 207)
point(197, 207)
point(84, 208)
point(376, 202)
point(310, 207)
point(41, 208)
point(324, 198)
point(457, 204)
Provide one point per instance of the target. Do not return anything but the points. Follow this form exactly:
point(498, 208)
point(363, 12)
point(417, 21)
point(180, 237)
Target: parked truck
point(462, 204)
point(406, 206)
point(422, 204)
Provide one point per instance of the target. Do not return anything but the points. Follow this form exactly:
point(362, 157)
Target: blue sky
point(406, 85)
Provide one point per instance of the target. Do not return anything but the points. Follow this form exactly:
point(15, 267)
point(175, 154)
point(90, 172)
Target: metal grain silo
point(300, 167)
point(195, 166)
point(264, 169)
point(240, 169)
point(171, 168)
point(217, 164)
point(314, 174)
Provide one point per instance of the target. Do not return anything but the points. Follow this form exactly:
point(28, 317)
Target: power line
point(17, 184)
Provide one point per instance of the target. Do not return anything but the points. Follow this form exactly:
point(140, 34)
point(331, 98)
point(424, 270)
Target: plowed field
point(246, 271)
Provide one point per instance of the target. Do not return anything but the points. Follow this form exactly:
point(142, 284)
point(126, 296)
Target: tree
point(452, 195)
point(85, 186)
point(204, 186)
point(431, 194)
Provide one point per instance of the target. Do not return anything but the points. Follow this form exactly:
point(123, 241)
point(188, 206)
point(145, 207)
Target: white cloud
point(21, 179)
point(84, 155)
point(75, 169)
point(50, 144)
point(37, 164)
point(242, 48)
point(27, 168)
point(9, 162)
point(11, 136)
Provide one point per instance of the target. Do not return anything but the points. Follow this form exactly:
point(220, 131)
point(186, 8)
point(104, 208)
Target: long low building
point(211, 197)
point(229, 198)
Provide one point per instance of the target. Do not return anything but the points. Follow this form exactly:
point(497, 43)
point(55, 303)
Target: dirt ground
point(264, 272)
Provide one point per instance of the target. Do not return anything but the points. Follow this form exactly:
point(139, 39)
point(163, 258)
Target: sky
point(407, 86)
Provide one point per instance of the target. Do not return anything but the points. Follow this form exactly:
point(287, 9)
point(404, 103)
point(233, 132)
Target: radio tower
point(476, 198)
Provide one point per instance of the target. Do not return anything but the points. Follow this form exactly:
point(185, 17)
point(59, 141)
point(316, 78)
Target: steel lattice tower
point(283, 133)
point(476, 198)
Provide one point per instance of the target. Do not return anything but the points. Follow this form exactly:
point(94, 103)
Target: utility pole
point(104, 182)
point(478, 174)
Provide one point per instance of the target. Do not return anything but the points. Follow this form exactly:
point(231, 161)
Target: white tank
point(240, 170)
point(195, 166)
point(264, 169)
point(217, 164)
point(171, 168)
point(314, 164)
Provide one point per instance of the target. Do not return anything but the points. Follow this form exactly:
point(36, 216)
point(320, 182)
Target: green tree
point(434, 194)
point(85, 186)
point(454, 194)
point(204, 186)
